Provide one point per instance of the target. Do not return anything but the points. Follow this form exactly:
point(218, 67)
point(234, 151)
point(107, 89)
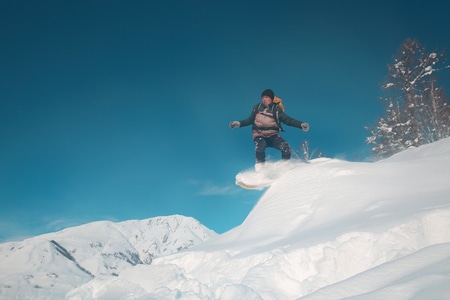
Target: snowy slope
point(48, 266)
point(329, 229)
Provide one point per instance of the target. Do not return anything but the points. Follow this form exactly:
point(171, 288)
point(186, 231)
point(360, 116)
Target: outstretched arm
point(245, 122)
point(293, 122)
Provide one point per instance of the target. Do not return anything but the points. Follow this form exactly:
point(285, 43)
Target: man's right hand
point(235, 124)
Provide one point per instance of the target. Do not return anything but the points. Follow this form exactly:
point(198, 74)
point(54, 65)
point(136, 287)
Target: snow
point(264, 174)
point(328, 229)
point(50, 265)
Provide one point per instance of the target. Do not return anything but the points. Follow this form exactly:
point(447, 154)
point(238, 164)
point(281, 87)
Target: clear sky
point(119, 110)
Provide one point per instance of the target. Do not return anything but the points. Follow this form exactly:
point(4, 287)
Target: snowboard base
point(263, 175)
point(246, 185)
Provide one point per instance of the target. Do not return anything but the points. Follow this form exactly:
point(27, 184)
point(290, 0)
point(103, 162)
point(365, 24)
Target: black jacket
point(280, 117)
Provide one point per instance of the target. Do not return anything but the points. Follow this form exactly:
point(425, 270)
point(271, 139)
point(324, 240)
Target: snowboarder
point(266, 118)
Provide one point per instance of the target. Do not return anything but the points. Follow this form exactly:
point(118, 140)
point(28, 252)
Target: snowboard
point(264, 174)
point(243, 183)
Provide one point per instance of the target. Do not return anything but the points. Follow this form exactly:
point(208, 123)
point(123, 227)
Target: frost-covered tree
point(434, 108)
point(416, 109)
point(388, 136)
point(307, 153)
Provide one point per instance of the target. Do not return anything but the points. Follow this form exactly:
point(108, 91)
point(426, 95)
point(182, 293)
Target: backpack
point(279, 102)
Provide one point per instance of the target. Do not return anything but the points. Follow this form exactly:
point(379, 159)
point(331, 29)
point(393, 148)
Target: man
point(266, 118)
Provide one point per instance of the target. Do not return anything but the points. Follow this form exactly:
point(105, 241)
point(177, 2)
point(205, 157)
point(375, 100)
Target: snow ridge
point(329, 229)
point(50, 265)
point(66, 254)
point(317, 231)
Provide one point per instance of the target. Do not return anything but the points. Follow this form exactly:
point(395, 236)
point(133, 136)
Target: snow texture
point(329, 229)
point(48, 266)
point(264, 174)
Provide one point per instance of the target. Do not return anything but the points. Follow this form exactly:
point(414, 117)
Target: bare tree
point(416, 110)
point(434, 115)
point(309, 154)
point(388, 136)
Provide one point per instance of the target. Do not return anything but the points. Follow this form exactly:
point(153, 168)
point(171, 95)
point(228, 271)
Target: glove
point(305, 127)
point(235, 124)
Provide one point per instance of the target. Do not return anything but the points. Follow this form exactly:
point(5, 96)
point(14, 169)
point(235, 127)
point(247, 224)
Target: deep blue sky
point(119, 109)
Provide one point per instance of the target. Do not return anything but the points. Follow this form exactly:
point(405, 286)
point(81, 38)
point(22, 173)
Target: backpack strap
point(275, 114)
point(277, 117)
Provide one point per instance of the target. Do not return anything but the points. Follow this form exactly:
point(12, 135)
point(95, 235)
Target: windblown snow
point(328, 229)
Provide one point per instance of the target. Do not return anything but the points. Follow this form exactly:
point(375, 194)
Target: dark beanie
point(269, 93)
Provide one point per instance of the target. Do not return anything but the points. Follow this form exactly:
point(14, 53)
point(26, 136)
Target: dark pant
point(275, 141)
